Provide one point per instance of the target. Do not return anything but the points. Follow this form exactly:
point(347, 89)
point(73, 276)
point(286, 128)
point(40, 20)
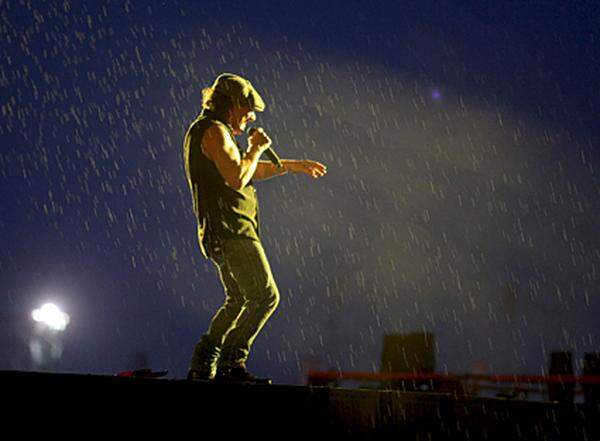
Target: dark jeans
point(251, 296)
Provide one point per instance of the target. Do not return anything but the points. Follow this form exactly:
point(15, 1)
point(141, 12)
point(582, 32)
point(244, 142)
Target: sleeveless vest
point(221, 211)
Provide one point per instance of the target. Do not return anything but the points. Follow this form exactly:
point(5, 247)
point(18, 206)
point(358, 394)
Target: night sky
point(462, 193)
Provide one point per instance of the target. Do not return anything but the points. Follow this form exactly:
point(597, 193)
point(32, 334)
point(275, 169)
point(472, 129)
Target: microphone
point(273, 157)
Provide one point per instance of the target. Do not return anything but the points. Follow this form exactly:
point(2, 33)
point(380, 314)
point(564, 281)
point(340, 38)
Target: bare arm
point(266, 170)
point(236, 170)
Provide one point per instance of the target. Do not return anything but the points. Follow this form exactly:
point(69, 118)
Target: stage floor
point(229, 411)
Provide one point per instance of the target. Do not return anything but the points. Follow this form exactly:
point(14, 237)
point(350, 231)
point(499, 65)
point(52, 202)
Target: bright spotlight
point(52, 316)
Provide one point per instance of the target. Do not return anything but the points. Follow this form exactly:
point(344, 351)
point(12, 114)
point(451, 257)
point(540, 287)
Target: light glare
point(51, 316)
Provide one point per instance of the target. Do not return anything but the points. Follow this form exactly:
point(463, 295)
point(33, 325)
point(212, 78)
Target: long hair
point(215, 101)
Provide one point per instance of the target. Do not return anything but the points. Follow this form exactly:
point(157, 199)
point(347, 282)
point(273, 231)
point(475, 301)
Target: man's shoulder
point(216, 136)
point(204, 123)
point(198, 128)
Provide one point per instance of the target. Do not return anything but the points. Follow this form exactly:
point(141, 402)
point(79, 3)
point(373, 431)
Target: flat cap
point(239, 89)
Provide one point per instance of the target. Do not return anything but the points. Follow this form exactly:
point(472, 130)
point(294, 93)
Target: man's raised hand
point(307, 166)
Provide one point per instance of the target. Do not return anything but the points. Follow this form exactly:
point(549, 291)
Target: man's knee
point(270, 298)
point(274, 299)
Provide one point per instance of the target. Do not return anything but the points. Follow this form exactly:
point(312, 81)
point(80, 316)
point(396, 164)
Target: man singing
point(221, 175)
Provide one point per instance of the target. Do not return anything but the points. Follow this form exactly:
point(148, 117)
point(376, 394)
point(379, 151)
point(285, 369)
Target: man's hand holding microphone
point(257, 138)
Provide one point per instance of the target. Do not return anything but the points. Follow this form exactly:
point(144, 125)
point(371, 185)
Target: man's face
point(240, 117)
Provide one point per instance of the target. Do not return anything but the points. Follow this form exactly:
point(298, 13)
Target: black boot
point(239, 374)
point(204, 361)
point(194, 374)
